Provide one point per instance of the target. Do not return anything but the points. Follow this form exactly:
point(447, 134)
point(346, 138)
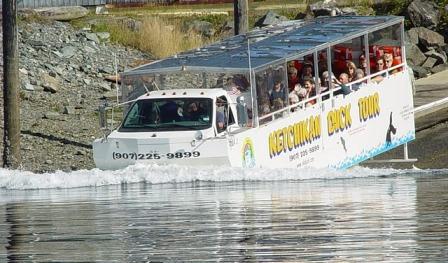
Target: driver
point(194, 111)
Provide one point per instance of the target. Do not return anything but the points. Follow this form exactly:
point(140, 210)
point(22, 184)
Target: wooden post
point(11, 102)
point(240, 13)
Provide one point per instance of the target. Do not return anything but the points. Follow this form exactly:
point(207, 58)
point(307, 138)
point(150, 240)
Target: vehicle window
point(170, 114)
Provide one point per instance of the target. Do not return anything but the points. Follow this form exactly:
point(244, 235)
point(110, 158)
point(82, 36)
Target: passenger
point(232, 88)
point(278, 95)
point(293, 99)
point(380, 64)
point(343, 81)
point(327, 82)
point(309, 86)
point(194, 112)
point(379, 67)
point(344, 78)
point(358, 75)
point(363, 63)
point(170, 112)
point(307, 71)
point(293, 79)
point(388, 62)
point(220, 121)
point(351, 69)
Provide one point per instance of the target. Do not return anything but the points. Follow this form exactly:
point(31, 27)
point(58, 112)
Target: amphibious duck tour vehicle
point(331, 92)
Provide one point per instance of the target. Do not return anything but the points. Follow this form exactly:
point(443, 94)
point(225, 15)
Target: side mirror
point(102, 110)
point(241, 109)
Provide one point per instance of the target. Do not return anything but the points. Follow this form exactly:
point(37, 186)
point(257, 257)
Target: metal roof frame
point(269, 46)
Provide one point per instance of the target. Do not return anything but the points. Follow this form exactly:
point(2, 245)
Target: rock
point(69, 110)
point(101, 10)
point(325, 8)
point(103, 36)
point(414, 56)
point(270, 18)
point(23, 71)
point(423, 13)
point(64, 13)
point(68, 52)
point(411, 36)
point(202, 27)
point(429, 38)
point(439, 68)
point(28, 87)
point(87, 81)
point(429, 63)
point(441, 57)
point(349, 11)
point(420, 72)
point(92, 37)
point(105, 86)
point(51, 115)
point(50, 83)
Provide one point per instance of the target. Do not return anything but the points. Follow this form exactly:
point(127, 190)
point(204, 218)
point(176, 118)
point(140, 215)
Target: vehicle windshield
point(169, 114)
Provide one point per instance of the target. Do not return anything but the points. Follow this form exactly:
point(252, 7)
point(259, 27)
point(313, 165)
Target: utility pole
point(240, 13)
point(11, 102)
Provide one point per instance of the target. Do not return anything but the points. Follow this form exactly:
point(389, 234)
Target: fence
point(55, 3)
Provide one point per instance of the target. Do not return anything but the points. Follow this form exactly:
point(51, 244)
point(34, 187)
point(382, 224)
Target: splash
point(156, 174)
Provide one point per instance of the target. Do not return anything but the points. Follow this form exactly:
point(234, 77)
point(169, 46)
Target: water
point(181, 214)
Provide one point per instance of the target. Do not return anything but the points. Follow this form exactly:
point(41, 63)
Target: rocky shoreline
point(63, 75)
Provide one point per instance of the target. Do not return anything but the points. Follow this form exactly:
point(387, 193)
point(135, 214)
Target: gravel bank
point(62, 75)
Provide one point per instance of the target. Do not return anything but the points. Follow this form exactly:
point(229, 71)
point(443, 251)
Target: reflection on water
point(398, 218)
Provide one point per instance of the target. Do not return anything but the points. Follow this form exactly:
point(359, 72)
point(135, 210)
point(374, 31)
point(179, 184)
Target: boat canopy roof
point(269, 45)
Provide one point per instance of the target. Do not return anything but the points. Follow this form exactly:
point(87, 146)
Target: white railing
point(301, 104)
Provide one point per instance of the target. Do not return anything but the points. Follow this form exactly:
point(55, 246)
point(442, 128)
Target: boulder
point(439, 68)
point(325, 8)
point(270, 18)
point(423, 13)
point(428, 38)
point(414, 56)
point(411, 36)
point(440, 57)
point(63, 13)
point(429, 63)
point(92, 37)
point(420, 72)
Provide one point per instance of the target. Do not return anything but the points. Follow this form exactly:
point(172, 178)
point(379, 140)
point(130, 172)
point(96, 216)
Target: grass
point(161, 32)
point(158, 36)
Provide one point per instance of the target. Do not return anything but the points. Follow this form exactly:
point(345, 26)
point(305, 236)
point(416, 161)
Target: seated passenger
point(307, 71)
point(309, 86)
point(220, 121)
point(293, 99)
point(278, 95)
point(358, 75)
point(363, 63)
point(379, 67)
point(343, 81)
point(169, 112)
point(388, 62)
point(293, 79)
point(194, 112)
point(344, 78)
point(232, 88)
point(351, 68)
